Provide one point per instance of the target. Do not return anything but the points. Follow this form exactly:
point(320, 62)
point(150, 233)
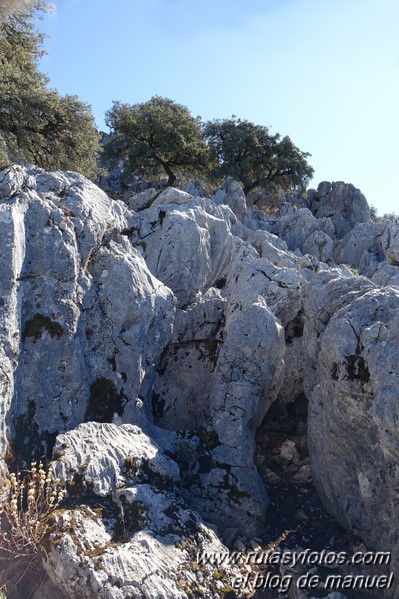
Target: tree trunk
point(171, 177)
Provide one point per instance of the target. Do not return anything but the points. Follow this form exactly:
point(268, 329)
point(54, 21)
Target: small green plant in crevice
point(132, 467)
point(353, 270)
point(26, 501)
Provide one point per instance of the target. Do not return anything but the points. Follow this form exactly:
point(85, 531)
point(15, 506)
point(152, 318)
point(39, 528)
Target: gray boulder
point(76, 297)
point(182, 393)
point(142, 199)
point(232, 194)
point(319, 244)
point(386, 274)
point(390, 242)
point(343, 203)
point(362, 248)
point(136, 537)
point(351, 381)
point(185, 246)
point(301, 230)
point(216, 380)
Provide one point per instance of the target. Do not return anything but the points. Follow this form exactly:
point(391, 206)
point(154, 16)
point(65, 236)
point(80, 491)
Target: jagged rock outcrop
point(362, 248)
point(300, 228)
point(134, 536)
point(341, 202)
point(351, 334)
point(330, 214)
point(143, 345)
point(76, 298)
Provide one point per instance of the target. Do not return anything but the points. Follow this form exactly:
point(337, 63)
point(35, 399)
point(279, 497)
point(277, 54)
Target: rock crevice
point(178, 360)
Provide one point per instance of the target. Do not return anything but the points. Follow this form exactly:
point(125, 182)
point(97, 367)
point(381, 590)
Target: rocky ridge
point(144, 348)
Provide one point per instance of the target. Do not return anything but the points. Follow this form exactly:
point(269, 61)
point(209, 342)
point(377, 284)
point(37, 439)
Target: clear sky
point(324, 72)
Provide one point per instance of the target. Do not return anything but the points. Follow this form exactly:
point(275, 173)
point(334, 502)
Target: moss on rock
point(36, 326)
point(104, 401)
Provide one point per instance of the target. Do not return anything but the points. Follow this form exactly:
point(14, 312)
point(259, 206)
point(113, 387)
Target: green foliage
point(250, 154)
point(37, 124)
point(13, 6)
point(376, 218)
point(158, 137)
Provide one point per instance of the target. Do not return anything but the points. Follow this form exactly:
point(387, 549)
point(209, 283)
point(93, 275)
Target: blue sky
point(324, 72)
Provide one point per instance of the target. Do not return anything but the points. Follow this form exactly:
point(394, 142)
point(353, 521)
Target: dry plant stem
point(25, 504)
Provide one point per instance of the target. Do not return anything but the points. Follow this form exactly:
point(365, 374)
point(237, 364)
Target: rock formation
point(143, 345)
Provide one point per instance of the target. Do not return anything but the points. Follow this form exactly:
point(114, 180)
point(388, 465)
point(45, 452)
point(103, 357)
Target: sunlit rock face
point(142, 350)
point(76, 298)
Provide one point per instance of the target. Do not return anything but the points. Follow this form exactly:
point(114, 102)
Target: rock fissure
point(206, 388)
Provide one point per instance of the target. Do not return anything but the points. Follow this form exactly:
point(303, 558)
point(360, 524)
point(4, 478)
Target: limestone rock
point(273, 248)
point(227, 369)
point(304, 475)
point(146, 348)
point(186, 247)
point(106, 456)
point(12, 181)
point(362, 248)
point(300, 229)
point(294, 362)
point(76, 297)
point(353, 433)
point(194, 189)
point(136, 537)
point(286, 454)
point(390, 242)
point(343, 203)
point(386, 274)
point(182, 392)
point(232, 194)
point(319, 244)
point(140, 200)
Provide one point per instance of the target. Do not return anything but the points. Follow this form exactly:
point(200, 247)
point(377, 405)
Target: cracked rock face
point(143, 350)
point(353, 410)
point(76, 297)
point(134, 536)
point(345, 205)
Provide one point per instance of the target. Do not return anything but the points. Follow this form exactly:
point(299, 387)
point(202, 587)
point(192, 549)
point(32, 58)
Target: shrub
point(375, 217)
point(27, 499)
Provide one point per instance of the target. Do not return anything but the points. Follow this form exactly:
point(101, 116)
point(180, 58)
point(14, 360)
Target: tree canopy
point(36, 123)
point(249, 153)
point(13, 6)
point(157, 137)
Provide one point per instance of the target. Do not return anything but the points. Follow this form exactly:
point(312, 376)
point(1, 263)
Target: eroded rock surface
point(76, 297)
point(353, 407)
point(341, 202)
point(143, 350)
point(133, 536)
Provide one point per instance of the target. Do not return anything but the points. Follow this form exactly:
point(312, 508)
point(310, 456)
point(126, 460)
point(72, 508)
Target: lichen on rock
point(151, 353)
